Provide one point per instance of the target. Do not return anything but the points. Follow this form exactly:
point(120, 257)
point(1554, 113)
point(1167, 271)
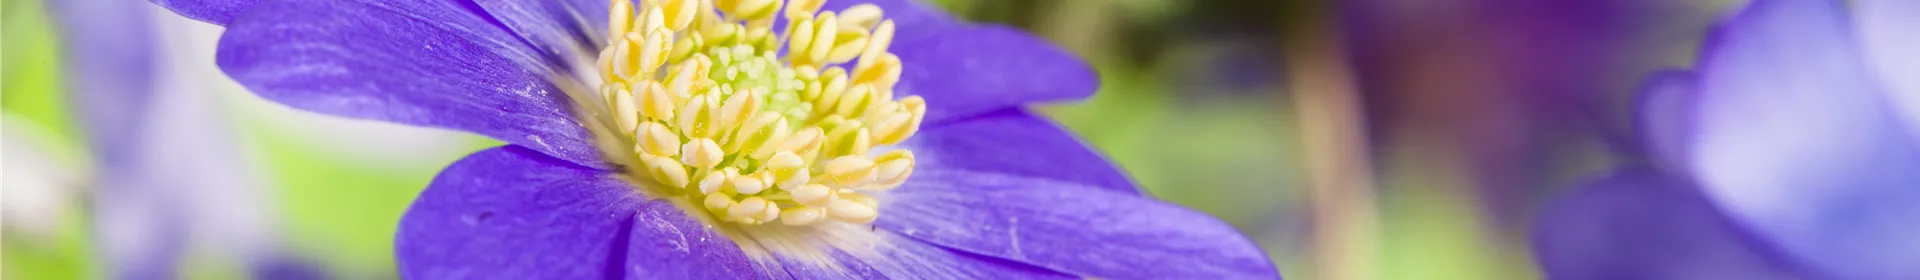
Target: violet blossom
point(727, 139)
point(1786, 154)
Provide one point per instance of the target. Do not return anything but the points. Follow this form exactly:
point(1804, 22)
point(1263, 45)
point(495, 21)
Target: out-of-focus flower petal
point(1069, 227)
point(1797, 142)
point(512, 212)
point(971, 70)
point(1641, 224)
point(388, 61)
point(40, 188)
point(287, 268)
point(110, 83)
point(218, 12)
point(1888, 34)
point(561, 30)
point(1665, 117)
point(1012, 141)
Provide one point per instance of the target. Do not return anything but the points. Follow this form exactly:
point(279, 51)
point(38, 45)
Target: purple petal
point(971, 70)
point(420, 63)
point(905, 258)
point(217, 12)
point(1887, 35)
point(514, 213)
point(667, 244)
point(510, 212)
point(564, 29)
point(1666, 115)
point(1012, 141)
point(1798, 143)
point(1639, 224)
point(1069, 227)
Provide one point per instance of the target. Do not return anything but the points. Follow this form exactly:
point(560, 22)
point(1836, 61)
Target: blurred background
point(1361, 139)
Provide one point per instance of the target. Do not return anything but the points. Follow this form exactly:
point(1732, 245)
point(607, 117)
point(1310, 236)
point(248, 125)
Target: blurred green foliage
point(31, 91)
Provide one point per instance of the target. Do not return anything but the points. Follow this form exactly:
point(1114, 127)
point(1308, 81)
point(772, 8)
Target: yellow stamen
point(717, 116)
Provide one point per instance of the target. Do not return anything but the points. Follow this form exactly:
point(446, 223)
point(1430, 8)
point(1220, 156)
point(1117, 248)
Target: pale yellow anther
point(847, 48)
point(679, 13)
point(762, 38)
point(806, 73)
point(800, 216)
point(849, 171)
point(605, 62)
point(701, 153)
point(739, 107)
point(624, 111)
point(655, 139)
point(893, 129)
point(684, 48)
point(824, 28)
point(848, 137)
point(752, 9)
point(876, 44)
point(813, 195)
point(789, 170)
point(653, 52)
point(655, 19)
point(916, 105)
point(851, 212)
point(804, 142)
point(883, 73)
point(620, 18)
point(656, 102)
point(694, 119)
point(714, 180)
point(622, 60)
point(666, 170)
point(863, 15)
point(892, 168)
point(771, 212)
point(799, 40)
point(915, 109)
point(861, 141)
point(747, 208)
point(722, 34)
point(759, 137)
point(746, 184)
point(856, 101)
point(718, 202)
point(803, 9)
point(691, 74)
point(858, 197)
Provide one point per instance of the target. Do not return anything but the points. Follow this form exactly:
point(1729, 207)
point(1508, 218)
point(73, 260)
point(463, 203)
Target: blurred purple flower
point(168, 177)
point(995, 191)
point(1504, 91)
point(1791, 133)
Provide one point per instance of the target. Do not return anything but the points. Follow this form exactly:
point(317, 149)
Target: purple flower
point(1786, 154)
point(727, 139)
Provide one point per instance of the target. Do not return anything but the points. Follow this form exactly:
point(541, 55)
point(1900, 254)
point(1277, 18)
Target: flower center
point(715, 113)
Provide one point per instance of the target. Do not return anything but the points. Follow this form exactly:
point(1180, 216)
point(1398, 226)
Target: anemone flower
point(166, 176)
point(1786, 151)
point(726, 139)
